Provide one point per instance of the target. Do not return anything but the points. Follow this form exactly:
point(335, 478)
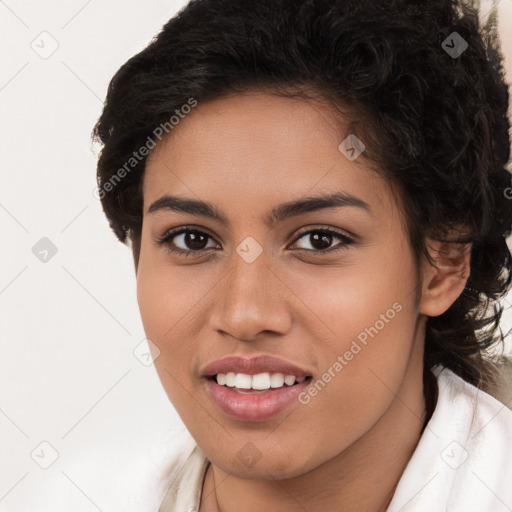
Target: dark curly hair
point(434, 123)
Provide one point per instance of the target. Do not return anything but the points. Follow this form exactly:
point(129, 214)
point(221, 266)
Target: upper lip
point(253, 366)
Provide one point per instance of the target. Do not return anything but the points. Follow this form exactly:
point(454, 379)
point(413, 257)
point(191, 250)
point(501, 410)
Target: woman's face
point(340, 308)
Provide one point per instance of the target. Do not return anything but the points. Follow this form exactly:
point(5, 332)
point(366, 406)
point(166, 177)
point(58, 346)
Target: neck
point(362, 477)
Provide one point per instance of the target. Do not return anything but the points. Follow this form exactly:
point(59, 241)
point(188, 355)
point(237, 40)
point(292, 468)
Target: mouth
point(256, 384)
point(238, 397)
point(257, 388)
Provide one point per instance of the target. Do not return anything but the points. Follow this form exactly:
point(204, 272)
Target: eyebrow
point(277, 214)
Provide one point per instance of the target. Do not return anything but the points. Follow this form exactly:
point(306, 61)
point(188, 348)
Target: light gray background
point(69, 326)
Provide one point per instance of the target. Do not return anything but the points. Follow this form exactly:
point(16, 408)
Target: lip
point(253, 366)
point(254, 406)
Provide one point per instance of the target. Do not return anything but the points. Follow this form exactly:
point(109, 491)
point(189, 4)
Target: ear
point(444, 281)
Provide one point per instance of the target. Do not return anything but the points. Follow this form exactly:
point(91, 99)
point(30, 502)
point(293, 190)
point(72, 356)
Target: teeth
point(289, 380)
point(260, 381)
point(230, 379)
point(277, 380)
point(243, 381)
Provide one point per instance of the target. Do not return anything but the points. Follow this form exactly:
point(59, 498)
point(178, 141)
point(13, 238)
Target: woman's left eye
point(323, 237)
point(197, 241)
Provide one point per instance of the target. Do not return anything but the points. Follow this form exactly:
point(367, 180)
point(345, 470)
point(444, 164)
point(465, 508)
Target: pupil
point(191, 239)
point(325, 239)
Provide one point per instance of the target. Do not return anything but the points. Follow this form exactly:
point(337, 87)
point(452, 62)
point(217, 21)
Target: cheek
point(348, 299)
point(168, 298)
point(367, 325)
point(164, 308)
point(153, 299)
point(163, 315)
point(171, 303)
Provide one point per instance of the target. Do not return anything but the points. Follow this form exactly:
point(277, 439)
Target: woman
point(315, 194)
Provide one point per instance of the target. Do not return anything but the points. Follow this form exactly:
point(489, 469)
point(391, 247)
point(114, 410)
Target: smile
point(250, 404)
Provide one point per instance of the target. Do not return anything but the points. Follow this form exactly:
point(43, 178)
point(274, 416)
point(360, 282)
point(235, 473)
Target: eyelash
point(165, 240)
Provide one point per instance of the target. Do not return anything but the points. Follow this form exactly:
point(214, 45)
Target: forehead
point(255, 147)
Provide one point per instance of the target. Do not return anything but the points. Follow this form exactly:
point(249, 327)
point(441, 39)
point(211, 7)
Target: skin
point(349, 445)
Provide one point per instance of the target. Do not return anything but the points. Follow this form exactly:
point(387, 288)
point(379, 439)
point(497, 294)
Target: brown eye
point(320, 240)
point(195, 240)
point(186, 241)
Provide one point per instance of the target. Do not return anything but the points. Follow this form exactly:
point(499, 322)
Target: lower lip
point(257, 406)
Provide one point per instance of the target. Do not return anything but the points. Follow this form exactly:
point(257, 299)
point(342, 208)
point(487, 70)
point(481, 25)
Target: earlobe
point(444, 282)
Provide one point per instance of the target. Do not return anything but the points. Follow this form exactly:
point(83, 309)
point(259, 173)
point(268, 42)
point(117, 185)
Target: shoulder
point(463, 460)
point(487, 421)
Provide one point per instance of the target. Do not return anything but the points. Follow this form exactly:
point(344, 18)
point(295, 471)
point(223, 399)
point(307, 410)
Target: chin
point(261, 461)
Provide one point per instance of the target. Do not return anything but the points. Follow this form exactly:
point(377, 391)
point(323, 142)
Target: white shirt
point(462, 463)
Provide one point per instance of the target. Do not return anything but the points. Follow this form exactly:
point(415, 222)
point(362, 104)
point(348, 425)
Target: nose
point(251, 300)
